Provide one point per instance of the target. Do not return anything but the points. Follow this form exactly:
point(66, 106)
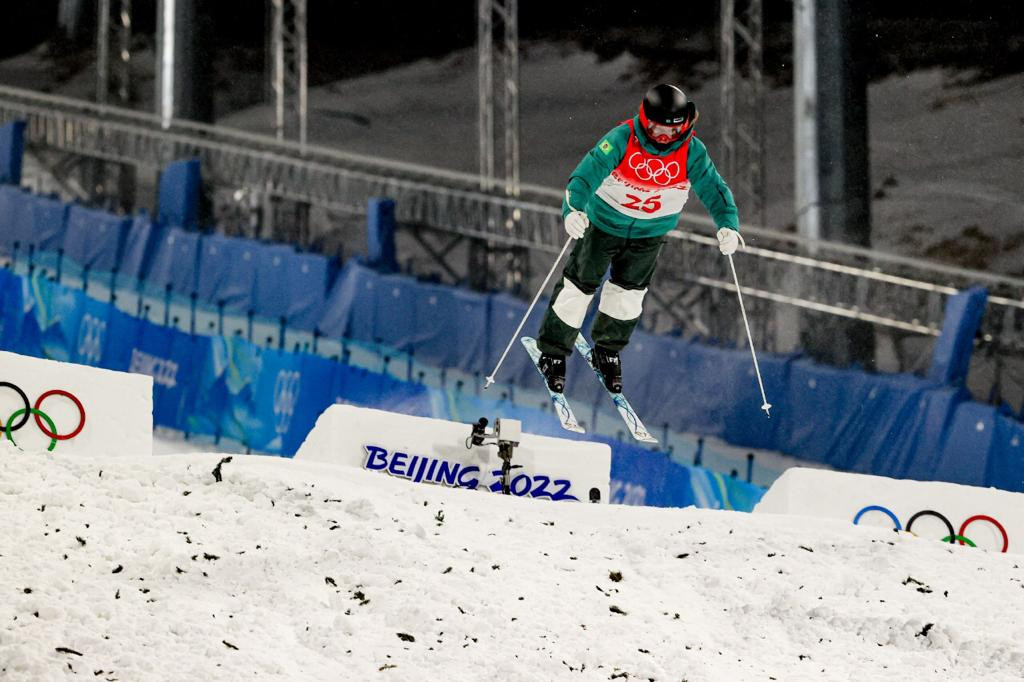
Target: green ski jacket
point(630, 189)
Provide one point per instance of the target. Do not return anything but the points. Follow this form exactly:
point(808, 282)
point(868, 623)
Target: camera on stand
point(506, 435)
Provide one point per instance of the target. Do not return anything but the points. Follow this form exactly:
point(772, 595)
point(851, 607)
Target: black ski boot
point(553, 369)
point(611, 368)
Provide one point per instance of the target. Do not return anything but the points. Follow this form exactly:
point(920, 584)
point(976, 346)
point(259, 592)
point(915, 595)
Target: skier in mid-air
point(630, 189)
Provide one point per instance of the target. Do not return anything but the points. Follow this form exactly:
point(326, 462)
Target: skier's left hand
point(729, 241)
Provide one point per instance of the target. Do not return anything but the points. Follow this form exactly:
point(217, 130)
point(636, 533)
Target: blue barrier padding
point(175, 378)
point(436, 318)
point(153, 344)
point(349, 309)
point(276, 391)
point(707, 384)
point(227, 382)
point(1006, 454)
point(338, 304)
point(380, 231)
point(140, 244)
point(917, 449)
point(362, 320)
point(646, 366)
point(12, 149)
point(122, 332)
point(15, 219)
point(967, 446)
point(952, 356)
point(306, 287)
point(270, 293)
point(14, 336)
point(52, 318)
point(180, 184)
point(94, 238)
point(356, 386)
point(469, 345)
point(237, 283)
point(175, 262)
point(504, 313)
point(315, 395)
point(214, 261)
point(49, 220)
point(874, 414)
point(394, 303)
point(651, 477)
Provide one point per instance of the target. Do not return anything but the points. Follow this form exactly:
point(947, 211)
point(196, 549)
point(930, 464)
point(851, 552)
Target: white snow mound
point(132, 569)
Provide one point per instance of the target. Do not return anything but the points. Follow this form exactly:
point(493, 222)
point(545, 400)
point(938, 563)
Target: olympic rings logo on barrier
point(50, 429)
point(952, 537)
point(90, 339)
point(654, 170)
point(286, 396)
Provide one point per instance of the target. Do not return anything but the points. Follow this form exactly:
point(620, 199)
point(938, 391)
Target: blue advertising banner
point(270, 407)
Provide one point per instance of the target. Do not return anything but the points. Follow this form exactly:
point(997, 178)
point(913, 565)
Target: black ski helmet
point(667, 105)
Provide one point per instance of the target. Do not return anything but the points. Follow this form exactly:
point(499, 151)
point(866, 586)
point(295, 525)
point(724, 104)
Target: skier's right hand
point(576, 224)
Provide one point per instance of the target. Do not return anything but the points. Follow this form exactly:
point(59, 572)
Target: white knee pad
point(621, 304)
point(571, 304)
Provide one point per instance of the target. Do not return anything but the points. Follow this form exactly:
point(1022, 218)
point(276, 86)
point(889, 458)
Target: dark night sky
point(363, 35)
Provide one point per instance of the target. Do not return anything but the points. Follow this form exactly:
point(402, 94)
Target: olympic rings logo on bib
point(652, 169)
point(952, 537)
point(12, 423)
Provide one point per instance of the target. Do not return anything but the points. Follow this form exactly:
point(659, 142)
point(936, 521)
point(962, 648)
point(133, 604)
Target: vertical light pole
point(485, 90)
point(124, 85)
point(166, 49)
point(805, 121)
point(102, 51)
point(289, 81)
point(742, 61)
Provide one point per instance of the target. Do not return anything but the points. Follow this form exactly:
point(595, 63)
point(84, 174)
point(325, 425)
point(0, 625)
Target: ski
point(636, 427)
point(562, 409)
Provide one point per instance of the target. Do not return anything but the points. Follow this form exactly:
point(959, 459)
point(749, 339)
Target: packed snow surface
point(126, 568)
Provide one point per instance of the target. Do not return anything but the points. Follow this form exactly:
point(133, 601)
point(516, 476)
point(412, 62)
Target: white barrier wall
point(990, 518)
point(433, 451)
point(95, 411)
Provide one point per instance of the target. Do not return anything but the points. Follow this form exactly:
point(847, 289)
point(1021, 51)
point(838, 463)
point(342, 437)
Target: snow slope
point(148, 568)
point(946, 155)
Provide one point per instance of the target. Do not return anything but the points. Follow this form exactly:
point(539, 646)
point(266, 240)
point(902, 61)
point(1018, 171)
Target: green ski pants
point(632, 264)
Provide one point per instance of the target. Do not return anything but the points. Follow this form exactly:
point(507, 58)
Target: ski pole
point(490, 378)
point(766, 406)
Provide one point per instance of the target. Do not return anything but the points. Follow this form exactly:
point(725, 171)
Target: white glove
point(729, 241)
point(576, 224)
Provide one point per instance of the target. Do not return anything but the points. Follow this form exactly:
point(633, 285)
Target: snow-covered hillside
point(946, 154)
point(150, 568)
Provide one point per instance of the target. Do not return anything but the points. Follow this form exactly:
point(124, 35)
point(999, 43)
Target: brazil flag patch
point(605, 146)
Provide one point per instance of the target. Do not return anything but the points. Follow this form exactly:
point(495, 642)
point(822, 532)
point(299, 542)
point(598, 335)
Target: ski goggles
point(665, 133)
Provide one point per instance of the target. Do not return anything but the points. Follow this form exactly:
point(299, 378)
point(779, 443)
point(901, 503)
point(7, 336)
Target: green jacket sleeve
point(597, 165)
point(710, 187)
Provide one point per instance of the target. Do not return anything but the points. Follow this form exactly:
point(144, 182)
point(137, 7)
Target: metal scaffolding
point(290, 76)
point(504, 16)
point(282, 217)
point(118, 70)
point(742, 56)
